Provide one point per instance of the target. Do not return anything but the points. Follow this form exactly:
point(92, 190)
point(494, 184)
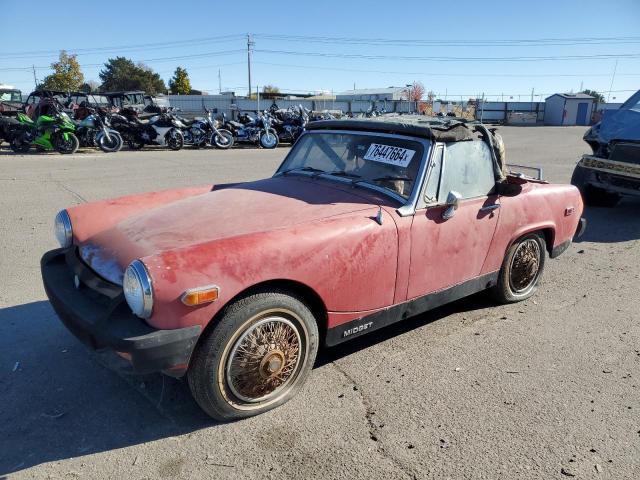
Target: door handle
point(489, 208)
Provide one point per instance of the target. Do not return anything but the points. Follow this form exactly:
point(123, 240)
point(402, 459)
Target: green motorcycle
point(48, 132)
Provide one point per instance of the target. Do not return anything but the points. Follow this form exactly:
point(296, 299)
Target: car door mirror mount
point(453, 200)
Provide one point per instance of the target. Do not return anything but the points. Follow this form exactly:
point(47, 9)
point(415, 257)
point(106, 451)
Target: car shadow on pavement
point(609, 225)
point(478, 301)
point(60, 401)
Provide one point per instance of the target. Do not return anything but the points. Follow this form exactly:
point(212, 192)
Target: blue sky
point(305, 46)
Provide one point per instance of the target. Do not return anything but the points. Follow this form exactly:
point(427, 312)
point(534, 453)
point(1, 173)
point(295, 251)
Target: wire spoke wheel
point(525, 266)
point(265, 359)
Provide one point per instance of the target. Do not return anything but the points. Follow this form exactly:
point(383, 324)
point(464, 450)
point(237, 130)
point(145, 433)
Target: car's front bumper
point(610, 175)
point(95, 311)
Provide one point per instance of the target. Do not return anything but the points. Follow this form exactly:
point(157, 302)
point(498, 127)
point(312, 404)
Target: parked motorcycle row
point(109, 129)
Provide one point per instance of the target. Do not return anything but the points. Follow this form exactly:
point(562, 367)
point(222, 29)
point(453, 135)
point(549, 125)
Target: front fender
point(349, 261)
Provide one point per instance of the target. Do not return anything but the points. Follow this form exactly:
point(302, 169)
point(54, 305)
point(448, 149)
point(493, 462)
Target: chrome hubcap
point(264, 360)
point(525, 266)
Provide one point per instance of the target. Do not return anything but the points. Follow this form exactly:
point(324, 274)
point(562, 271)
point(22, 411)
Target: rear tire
point(521, 269)
point(256, 357)
point(18, 145)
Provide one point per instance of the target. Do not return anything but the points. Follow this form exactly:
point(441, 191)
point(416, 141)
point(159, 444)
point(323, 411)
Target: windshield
point(98, 100)
point(391, 163)
point(161, 102)
point(10, 96)
point(633, 103)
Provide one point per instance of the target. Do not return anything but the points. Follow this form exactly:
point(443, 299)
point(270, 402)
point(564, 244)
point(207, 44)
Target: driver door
point(448, 251)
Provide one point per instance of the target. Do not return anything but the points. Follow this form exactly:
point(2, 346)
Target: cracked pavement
point(541, 389)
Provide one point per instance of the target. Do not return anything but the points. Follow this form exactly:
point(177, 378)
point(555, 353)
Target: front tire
point(110, 146)
point(521, 269)
point(256, 357)
point(269, 139)
point(175, 140)
point(223, 139)
point(66, 146)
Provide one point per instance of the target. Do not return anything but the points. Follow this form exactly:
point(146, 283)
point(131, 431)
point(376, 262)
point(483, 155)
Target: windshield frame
point(408, 205)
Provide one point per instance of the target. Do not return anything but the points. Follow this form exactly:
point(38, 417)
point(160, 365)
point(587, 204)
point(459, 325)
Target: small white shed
point(568, 109)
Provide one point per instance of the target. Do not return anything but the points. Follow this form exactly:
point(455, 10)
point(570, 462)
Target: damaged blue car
point(613, 169)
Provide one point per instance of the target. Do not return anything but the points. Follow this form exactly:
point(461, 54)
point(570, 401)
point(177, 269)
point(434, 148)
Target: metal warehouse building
point(568, 109)
point(374, 94)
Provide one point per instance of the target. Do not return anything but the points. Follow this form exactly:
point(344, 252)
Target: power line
point(454, 42)
point(145, 46)
point(451, 59)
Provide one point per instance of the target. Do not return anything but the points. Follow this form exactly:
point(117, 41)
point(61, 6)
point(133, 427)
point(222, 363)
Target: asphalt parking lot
point(548, 388)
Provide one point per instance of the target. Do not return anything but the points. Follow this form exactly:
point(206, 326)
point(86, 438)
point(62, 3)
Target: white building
point(568, 109)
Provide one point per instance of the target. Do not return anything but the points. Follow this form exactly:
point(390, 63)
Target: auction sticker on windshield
point(397, 156)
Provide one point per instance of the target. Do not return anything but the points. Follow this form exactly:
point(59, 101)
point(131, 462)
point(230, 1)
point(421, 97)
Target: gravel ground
point(547, 389)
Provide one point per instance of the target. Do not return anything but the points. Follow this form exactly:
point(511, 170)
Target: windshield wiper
point(342, 173)
point(303, 169)
point(393, 177)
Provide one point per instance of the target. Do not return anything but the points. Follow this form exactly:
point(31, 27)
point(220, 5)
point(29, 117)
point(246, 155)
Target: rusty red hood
point(224, 212)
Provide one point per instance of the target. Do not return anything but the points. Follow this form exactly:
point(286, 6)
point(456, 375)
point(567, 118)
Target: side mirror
point(453, 200)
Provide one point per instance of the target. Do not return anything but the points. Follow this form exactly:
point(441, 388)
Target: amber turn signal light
point(200, 295)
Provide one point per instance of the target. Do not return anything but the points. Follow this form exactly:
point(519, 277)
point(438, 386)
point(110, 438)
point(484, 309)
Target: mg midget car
point(365, 223)
point(613, 169)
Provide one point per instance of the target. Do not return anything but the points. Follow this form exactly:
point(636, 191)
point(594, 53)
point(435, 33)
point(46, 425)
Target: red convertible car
point(365, 223)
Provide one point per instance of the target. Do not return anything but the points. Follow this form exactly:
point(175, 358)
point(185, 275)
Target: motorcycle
point(289, 124)
point(249, 130)
point(9, 128)
point(202, 131)
point(94, 130)
point(48, 132)
point(160, 129)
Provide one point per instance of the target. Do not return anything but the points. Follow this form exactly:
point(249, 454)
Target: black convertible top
point(432, 128)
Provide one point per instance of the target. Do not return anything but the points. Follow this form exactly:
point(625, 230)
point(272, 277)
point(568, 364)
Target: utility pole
point(250, 43)
point(35, 80)
point(219, 82)
point(612, 79)
point(532, 90)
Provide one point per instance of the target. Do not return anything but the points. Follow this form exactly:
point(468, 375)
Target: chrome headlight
point(62, 229)
point(137, 289)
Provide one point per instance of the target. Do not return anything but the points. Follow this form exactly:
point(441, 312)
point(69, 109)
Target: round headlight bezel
point(138, 289)
point(62, 229)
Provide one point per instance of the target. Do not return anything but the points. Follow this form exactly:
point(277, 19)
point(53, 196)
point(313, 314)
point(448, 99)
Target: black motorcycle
point(290, 123)
point(10, 128)
point(253, 130)
point(157, 129)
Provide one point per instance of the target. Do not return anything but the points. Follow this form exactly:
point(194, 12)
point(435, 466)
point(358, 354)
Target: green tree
point(180, 83)
point(598, 96)
point(66, 74)
point(121, 73)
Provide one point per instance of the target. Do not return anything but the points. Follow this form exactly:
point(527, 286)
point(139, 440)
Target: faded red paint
point(315, 232)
